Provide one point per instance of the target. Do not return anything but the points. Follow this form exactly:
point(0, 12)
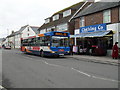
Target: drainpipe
point(77, 11)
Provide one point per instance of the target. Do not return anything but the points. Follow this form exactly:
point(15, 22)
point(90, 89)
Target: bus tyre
point(41, 53)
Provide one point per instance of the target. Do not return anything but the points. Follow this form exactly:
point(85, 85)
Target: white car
point(7, 47)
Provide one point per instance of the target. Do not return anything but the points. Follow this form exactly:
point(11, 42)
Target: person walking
point(71, 49)
point(115, 51)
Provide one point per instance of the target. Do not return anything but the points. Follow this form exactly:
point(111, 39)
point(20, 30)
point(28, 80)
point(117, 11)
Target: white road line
point(84, 73)
point(81, 72)
point(1, 87)
point(52, 64)
point(107, 79)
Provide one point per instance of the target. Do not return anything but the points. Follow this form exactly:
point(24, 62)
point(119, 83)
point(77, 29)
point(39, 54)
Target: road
point(29, 71)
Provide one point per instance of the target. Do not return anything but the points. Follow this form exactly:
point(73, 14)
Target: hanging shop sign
point(93, 28)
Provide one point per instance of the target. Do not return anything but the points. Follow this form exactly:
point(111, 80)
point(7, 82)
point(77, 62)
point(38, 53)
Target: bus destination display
point(60, 34)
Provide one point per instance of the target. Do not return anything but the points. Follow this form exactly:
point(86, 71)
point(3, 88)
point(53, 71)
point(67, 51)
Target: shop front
point(94, 40)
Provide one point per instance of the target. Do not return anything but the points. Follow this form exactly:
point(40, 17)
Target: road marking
point(1, 87)
point(92, 76)
point(52, 64)
point(81, 72)
point(86, 74)
point(107, 79)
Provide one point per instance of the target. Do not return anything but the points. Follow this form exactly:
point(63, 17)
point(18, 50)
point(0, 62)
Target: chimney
point(12, 31)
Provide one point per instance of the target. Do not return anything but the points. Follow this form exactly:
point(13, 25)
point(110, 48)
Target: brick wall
point(93, 19)
point(77, 23)
point(115, 15)
point(97, 18)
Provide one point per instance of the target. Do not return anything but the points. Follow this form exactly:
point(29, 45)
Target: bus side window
point(38, 41)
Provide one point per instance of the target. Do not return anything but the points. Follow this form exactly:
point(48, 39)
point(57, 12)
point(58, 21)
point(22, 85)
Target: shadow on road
point(48, 57)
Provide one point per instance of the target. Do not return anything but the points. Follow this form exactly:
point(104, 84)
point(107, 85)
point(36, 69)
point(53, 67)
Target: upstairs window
point(62, 27)
point(107, 16)
point(56, 17)
point(47, 21)
point(28, 29)
point(82, 22)
point(42, 31)
point(67, 13)
point(50, 29)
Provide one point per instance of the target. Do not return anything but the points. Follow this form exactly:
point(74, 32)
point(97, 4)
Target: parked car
point(7, 47)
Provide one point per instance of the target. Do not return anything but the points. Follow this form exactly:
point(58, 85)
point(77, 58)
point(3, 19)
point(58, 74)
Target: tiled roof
point(35, 29)
point(14, 33)
point(22, 28)
point(54, 23)
point(96, 7)
point(75, 6)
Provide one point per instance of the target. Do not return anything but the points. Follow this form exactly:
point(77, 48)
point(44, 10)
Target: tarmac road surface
point(29, 71)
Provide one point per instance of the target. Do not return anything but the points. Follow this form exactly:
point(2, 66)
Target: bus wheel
point(41, 53)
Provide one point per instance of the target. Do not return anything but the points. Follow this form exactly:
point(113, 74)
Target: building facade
point(99, 16)
point(62, 20)
point(14, 39)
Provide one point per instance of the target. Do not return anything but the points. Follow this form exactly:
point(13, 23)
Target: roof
point(75, 6)
point(96, 7)
point(64, 19)
point(35, 29)
point(54, 23)
point(14, 33)
point(22, 28)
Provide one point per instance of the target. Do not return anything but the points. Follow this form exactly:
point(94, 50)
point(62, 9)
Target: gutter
point(77, 11)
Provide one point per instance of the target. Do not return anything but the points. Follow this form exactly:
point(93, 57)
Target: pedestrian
point(115, 51)
point(71, 49)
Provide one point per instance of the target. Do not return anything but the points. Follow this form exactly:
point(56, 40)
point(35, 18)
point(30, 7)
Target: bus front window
point(58, 41)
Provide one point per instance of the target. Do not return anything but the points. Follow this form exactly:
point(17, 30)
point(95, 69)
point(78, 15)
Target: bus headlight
point(68, 51)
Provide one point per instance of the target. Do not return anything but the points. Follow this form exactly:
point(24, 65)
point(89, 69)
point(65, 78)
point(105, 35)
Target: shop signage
point(93, 28)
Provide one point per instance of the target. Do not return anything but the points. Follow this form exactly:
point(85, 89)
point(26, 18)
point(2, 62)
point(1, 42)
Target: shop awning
point(94, 34)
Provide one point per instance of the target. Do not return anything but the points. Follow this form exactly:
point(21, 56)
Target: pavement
point(97, 59)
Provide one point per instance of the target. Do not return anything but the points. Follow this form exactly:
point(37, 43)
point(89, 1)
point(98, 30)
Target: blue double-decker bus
point(53, 43)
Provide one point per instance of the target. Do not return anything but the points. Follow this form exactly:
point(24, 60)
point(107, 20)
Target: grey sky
point(17, 13)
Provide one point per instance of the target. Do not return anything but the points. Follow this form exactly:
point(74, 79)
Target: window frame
point(47, 20)
point(56, 17)
point(67, 13)
point(82, 21)
point(107, 16)
point(61, 26)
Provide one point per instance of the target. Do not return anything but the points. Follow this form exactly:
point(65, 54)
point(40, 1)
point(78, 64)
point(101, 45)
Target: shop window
point(67, 13)
point(107, 16)
point(82, 22)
